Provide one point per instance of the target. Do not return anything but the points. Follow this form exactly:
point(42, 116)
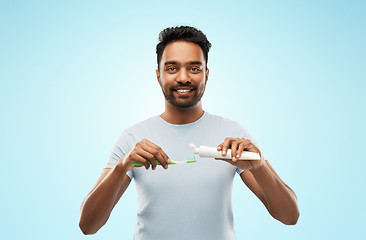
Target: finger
point(165, 156)
point(225, 146)
point(140, 159)
point(251, 147)
point(145, 146)
point(247, 144)
point(240, 150)
point(138, 150)
point(158, 153)
point(148, 154)
point(219, 147)
point(234, 146)
point(161, 160)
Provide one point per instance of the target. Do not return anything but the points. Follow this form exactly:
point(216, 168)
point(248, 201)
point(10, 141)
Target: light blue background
point(74, 74)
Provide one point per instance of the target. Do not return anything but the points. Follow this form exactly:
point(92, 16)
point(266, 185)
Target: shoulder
point(132, 133)
point(228, 126)
point(143, 125)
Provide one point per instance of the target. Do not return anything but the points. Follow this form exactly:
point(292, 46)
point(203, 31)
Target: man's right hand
point(146, 153)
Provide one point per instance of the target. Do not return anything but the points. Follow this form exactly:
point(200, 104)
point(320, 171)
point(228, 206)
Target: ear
point(207, 73)
point(158, 76)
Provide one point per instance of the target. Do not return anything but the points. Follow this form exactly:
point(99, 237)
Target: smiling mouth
point(183, 90)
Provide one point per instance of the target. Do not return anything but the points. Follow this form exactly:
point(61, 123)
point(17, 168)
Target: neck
point(176, 115)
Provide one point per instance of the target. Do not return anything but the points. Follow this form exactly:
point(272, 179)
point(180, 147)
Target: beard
point(183, 102)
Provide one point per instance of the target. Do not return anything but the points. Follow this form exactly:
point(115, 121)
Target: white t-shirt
point(187, 201)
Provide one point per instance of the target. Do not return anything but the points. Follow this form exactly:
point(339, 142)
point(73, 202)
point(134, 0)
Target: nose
point(183, 76)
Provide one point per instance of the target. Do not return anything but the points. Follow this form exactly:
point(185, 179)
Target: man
point(189, 201)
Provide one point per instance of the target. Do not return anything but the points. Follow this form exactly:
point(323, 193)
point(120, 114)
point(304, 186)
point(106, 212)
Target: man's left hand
point(237, 146)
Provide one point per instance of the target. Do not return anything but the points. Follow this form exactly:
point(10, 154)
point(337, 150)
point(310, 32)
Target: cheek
point(166, 80)
point(202, 85)
point(165, 85)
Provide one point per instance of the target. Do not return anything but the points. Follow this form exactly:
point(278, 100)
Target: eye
point(195, 69)
point(171, 69)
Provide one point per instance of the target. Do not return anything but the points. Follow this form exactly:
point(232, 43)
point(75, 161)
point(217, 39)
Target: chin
point(183, 105)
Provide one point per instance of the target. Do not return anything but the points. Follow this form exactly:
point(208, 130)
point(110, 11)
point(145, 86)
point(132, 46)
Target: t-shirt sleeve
point(239, 171)
point(121, 147)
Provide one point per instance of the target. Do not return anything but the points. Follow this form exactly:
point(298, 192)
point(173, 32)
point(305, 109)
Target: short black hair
point(182, 33)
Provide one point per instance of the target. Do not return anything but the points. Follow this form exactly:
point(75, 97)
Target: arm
point(278, 198)
point(98, 204)
point(112, 183)
point(263, 181)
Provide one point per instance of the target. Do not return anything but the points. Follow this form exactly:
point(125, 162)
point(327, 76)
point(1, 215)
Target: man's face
point(182, 74)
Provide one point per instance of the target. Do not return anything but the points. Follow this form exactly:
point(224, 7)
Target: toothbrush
point(212, 152)
point(188, 160)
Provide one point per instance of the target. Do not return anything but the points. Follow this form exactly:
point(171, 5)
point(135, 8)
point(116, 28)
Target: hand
point(146, 153)
point(237, 146)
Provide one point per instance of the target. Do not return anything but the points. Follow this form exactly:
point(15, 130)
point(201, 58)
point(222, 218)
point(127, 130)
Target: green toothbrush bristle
point(191, 159)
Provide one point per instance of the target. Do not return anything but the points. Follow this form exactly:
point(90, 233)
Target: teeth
point(183, 90)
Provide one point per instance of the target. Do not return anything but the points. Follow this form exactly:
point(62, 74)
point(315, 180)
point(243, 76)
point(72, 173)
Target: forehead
point(182, 52)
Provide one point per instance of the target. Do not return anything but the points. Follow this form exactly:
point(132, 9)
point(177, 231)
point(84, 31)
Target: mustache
point(180, 85)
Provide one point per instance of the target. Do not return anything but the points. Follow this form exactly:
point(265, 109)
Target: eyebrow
point(189, 63)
